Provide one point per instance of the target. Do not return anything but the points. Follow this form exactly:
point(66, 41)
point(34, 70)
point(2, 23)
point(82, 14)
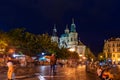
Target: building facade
point(112, 49)
point(69, 39)
point(54, 36)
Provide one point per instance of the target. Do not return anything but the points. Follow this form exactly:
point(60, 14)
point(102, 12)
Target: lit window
point(113, 55)
point(118, 55)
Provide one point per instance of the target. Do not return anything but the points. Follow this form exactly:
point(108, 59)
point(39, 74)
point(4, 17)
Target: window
point(68, 40)
point(113, 50)
point(118, 50)
point(71, 39)
point(113, 45)
point(108, 50)
point(118, 45)
point(118, 55)
point(108, 45)
point(113, 55)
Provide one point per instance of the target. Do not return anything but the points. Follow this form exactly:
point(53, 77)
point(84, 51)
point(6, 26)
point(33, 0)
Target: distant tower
point(67, 30)
point(54, 37)
point(73, 35)
point(73, 26)
point(64, 38)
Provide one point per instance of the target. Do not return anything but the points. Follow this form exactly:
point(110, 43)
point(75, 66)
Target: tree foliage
point(32, 45)
point(4, 40)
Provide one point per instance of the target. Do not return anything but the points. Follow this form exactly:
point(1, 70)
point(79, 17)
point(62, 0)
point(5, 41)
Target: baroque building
point(54, 36)
point(69, 39)
point(112, 49)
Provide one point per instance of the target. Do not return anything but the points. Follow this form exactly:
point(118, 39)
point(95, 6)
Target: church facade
point(69, 39)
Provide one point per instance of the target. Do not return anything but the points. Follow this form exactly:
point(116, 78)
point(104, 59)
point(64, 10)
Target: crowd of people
point(104, 73)
point(9, 63)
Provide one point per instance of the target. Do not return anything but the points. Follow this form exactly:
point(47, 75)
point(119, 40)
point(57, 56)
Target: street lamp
point(80, 55)
point(84, 57)
point(101, 57)
point(80, 59)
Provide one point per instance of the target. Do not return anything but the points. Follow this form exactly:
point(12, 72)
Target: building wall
point(54, 39)
point(73, 38)
point(112, 49)
point(116, 57)
point(81, 49)
point(63, 42)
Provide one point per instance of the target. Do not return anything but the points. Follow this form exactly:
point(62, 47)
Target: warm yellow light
point(101, 56)
point(113, 60)
point(11, 51)
point(80, 55)
point(118, 59)
point(84, 57)
point(72, 49)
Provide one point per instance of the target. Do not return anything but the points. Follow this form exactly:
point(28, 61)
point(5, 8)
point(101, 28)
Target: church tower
point(73, 26)
point(73, 35)
point(67, 30)
point(69, 40)
point(64, 38)
point(54, 37)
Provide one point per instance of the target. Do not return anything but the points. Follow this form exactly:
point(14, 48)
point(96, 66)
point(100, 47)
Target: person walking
point(107, 75)
point(10, 72)
point(52, 62)
point(99, 71)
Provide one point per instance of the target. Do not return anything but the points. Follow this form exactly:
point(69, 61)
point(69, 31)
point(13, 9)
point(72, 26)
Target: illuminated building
point(69, 39)
point(112, 49)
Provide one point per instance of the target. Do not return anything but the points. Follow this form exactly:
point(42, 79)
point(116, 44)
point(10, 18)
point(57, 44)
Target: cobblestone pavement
point(62, 73)
point(66, 73)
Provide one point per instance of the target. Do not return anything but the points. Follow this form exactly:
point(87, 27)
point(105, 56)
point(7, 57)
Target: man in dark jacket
point(53, 62)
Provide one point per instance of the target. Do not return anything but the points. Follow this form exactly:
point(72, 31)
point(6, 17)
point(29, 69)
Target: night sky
point(96, 20)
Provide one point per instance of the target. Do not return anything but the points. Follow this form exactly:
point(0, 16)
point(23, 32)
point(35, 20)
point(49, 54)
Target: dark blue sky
point(96, 20)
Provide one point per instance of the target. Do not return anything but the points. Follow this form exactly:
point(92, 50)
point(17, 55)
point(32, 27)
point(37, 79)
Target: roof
point(114, 39)
point(64, 35)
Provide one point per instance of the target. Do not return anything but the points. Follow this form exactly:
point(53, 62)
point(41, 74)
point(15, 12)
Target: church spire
point(67, 30)
point(73, 26)
point(54, 31)
point(72, 20)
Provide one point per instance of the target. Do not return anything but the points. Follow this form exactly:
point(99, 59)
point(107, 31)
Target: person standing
point(52, 62)
point(99, 72)
point(10, 72)
point(107, 74)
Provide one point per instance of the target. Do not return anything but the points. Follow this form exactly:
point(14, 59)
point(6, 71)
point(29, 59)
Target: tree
point(31, 44)
point(4, 41)
point(16, 36)
point(63, 53)
point(45, 43)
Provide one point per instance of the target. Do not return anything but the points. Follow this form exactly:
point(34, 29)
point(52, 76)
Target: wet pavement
point(62, 73)
point(65, 73)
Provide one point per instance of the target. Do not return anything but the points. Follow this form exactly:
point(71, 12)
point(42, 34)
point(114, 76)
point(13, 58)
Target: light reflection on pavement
point(66, 73)
point(62, 73)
